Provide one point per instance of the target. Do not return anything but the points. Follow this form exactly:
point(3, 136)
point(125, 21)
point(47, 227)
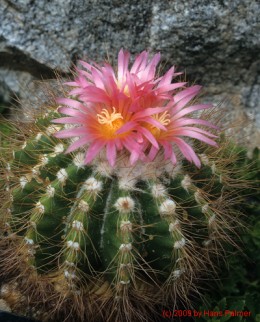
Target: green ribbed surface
point(74, 222)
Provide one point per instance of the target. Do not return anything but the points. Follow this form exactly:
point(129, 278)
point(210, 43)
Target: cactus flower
point(127, 222)
point(132, 110)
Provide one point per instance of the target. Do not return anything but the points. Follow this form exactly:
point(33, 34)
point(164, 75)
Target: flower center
point(164, 119)
point(111, 121)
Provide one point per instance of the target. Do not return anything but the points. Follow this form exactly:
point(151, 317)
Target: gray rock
point(54, 33)
point(215, 42)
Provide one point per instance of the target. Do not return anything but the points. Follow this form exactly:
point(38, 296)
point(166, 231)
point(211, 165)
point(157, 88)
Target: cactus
point(122, 221)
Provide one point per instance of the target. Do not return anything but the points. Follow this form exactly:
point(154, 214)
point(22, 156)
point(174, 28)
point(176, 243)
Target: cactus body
point(85, 228)
point(112, 238)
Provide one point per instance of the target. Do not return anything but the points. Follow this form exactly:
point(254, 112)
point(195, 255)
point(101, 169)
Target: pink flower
point(131, 110)
point(178, 126)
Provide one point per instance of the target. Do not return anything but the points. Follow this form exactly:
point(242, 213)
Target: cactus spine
point(112, 238)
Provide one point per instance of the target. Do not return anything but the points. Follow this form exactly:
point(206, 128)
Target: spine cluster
point(109, 236)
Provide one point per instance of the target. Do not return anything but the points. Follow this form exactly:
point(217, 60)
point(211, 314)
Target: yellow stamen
point(105, 118)
point(111, 122)
point(164, 119)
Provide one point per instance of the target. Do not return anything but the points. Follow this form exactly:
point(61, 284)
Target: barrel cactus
point(115, 197)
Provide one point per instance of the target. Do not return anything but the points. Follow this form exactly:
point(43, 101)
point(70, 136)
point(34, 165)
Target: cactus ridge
point(119, 236)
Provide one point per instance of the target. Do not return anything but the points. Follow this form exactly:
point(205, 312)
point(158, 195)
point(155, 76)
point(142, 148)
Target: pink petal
point(196, 129)
point(71, 84)
point(127, 127)
point(167, 149)
point(76, 91)
point(195, 135)
point(70, 102)
point(123, 61)
point(134, 157)
point(187, 151)
point(131, 145)
point(71, 112)
point(85, 64)
point(94, 94)
point(93, 150)
point(169, 87)
point(149, 136)
point(149, 71)
point(148, 111)
point(191, 91)
point(109, 70)
point(71, 133)
point(190, 109)
point(156, 123)
point(173, 158)
point(69, 120)
point(85, 78)
point(111, 87)
point(152, 153)
point(187, 121)
point(79, 143)
point(167, 78)
point(111, 153)
point(139, 63)
point(98, 78)
point(109, 78)
point(139, 138)
point(184, 97)
point(119, 144)
point(131, 85)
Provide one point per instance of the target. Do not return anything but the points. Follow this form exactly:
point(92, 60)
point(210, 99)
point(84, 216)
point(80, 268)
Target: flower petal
point(71, 133)
point(93, 150)
point(190, 92)
point(77, 144)
point(152, 153)
point(123, 61)
point(71, 112)
point(190, 109)
point(148, 112)
point(154, 122)
point(70, 102)
point(111, 153)
point(188, 121)
point(167, 78)
point(139, 63)
point(127, 127)
point(169, 87)
point(149, 136)
point(187, 151)
point(69, 120)
point(195, 135)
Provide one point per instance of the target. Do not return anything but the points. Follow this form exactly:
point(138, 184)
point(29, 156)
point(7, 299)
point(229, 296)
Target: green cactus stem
point(118, 209)
point(106, 235)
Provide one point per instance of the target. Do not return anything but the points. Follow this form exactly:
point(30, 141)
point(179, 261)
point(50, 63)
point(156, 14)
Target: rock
point(55, 33)
point(215, 43)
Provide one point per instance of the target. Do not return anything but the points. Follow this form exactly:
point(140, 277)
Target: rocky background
point(215, 42)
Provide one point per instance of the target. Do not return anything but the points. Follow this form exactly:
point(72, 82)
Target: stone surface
point(215, 42)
